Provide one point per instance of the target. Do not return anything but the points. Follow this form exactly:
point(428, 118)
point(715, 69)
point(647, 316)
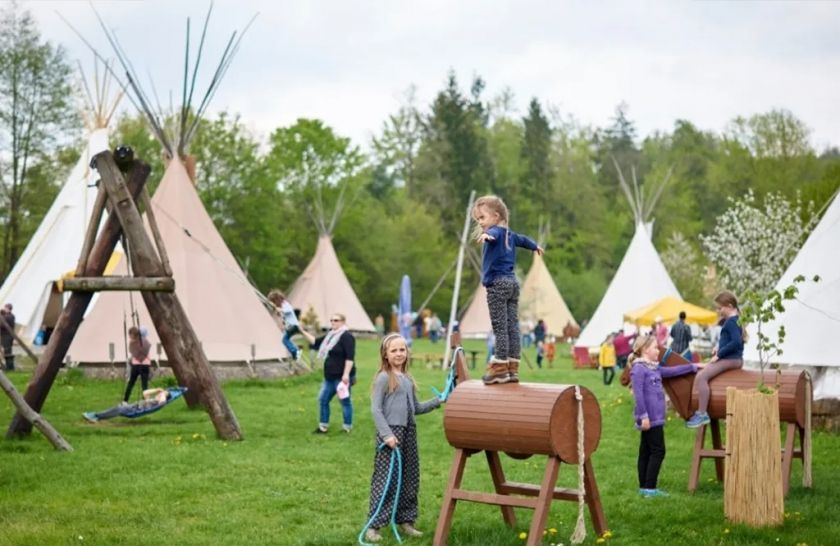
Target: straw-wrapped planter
point(753, 490)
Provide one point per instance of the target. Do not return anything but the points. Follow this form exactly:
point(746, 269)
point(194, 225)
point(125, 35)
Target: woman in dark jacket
point(338, 351)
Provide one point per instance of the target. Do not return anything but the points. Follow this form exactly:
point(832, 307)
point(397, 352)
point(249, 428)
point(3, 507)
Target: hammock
point(174, 394)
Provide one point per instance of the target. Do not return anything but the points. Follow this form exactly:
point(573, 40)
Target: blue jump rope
point(396, 458)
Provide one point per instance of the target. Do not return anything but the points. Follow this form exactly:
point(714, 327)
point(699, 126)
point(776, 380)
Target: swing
point(174, 394)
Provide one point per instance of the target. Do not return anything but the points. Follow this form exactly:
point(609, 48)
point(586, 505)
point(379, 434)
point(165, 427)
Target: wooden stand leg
point(498, 476)
point(805, 444)
point(694, 473)
point(535, 535)
point(717, 444)
point(787, 457)
point(447, 508)
point(593, 499)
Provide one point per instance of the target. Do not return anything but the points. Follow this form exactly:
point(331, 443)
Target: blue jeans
point(287, 342)
point(326, 395)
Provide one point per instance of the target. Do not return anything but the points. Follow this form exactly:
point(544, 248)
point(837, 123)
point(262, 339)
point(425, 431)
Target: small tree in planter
point(754, 492)
point(759, 309)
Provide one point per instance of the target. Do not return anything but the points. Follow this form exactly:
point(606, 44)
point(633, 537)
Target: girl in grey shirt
point(393, 405)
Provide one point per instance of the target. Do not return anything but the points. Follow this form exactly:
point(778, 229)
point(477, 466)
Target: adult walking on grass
point(338, 351)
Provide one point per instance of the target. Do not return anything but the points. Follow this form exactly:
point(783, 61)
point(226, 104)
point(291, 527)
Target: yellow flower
point(523, 535)
point(725, 531)
point(553, 531)
point(607, 534)
point(601, 540)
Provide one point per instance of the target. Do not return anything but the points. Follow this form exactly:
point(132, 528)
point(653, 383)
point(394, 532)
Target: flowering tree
point(684, 265)
point(752, 246)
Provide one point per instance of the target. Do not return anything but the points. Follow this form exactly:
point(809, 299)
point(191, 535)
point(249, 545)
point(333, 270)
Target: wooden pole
point(32, 416)
point(187, 358)
point(99, 284)
point(92, 228)
point(71, 317)
point(453, 309)
point(161, 248)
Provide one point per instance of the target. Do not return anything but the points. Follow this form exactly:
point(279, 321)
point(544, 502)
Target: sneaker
point(372, 535)
point(513, 371)
point(654, 493)
point(346, 429)
point(124, 404)
point(319, 430)
point(90, 416)
point(698, 420)
point(409, 530)
point(496, 372)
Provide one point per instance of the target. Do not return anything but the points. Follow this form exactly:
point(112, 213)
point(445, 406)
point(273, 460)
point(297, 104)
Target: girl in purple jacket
point(646, 378)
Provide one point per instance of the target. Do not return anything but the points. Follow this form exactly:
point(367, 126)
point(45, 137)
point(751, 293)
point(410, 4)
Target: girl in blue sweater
point(728, 356)
point(497, 276)
point(646, 378)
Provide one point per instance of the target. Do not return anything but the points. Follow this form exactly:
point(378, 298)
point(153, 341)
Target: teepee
point(54, 248)
point(812, 320)
point(475, 321)
point(539, 297)
point(641, 277)
point(225, 310)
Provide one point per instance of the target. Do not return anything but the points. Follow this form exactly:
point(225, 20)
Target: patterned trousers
point(503, 302)
point(407, 505)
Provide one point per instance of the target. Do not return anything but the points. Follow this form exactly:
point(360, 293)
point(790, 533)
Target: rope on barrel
point(579, 535)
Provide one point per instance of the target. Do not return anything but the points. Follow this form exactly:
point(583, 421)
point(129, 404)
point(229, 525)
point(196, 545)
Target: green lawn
point(165, 479)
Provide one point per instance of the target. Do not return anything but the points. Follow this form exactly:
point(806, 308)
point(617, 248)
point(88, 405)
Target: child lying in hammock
point(152, 400)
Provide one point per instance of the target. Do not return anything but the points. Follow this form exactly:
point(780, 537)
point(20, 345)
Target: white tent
point(812, 320)
point(54, 248)
point(540, 299)
point(641, 278)
point(324, 288)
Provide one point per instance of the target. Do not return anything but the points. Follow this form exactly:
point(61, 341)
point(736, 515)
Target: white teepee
point(812, 320)
point(640, 279)
point(53, 250)
point(225, 311)
point(475, 322)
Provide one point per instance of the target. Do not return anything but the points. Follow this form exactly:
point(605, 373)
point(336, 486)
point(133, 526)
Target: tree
point(685, 267)
point(36, 111)
point(752, 246)
point(396, 149)
point(538, 172)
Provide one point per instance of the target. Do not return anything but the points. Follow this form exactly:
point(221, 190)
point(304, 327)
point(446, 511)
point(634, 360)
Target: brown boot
point(497, 372)
point(513, 371)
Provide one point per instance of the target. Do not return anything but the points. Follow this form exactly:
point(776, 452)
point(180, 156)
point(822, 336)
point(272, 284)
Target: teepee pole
point(453, 309)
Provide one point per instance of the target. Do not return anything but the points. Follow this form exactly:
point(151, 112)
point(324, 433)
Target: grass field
point(165, 479)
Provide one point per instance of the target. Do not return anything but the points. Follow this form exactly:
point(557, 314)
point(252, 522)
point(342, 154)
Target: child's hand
point(645, 424)
point(486, 237)
point(540, 251)
point(391, 441)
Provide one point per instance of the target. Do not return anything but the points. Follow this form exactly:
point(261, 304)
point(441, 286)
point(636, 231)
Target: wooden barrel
point(794, 391)
point(522, 419)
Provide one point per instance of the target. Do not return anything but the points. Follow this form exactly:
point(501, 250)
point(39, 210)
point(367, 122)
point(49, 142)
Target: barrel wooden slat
point(793, 391)
point(523, 418)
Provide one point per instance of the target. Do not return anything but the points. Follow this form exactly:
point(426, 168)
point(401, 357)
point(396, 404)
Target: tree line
point(402, 197)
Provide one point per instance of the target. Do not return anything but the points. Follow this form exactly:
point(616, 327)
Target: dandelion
point(726, 531)
point(601, 540)
point(196, 436)
point(523, 535)
point(553, 531)
point(607, 534)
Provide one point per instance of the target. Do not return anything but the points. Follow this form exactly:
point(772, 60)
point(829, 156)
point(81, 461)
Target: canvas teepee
point(641, 277)
point(475, 322)
point(539, 297)
point(54, 248)
point(812, 320)
point(225, 311)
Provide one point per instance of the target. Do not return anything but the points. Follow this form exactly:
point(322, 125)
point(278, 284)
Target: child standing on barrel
point(646, 378)
point(499, 257)
point(729, 355)
point(394, 405)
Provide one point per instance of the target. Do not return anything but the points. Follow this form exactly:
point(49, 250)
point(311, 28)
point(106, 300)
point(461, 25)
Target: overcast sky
point(349, 62)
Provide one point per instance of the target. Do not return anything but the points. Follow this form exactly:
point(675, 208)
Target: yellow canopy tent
point(668, 308)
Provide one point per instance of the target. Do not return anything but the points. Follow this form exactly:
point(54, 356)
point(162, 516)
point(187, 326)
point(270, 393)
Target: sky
point(350, 63)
